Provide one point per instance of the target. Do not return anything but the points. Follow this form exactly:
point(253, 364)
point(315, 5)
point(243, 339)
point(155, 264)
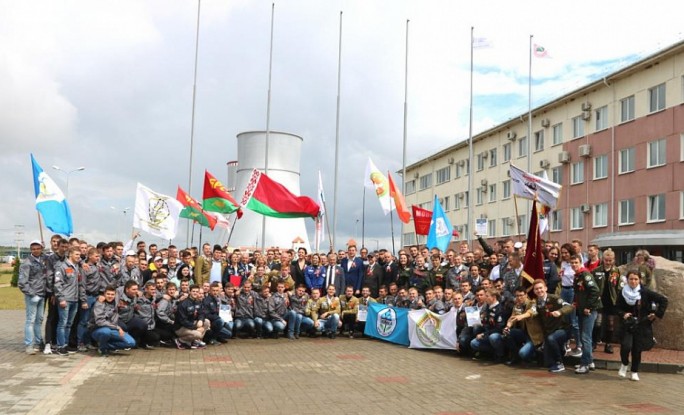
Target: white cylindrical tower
point(284, 153)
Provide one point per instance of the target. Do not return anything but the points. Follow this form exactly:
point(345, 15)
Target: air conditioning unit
point(509, 221)
point(485, 155)
point(585, 150)
point(586, 115)
point(461, 163)
point(483, 182)
point(544, 164)
point(451, 160)
point(564, 157)
point(511, 135)
point(585, 208)
point(545, 122)
point(416, 175)
point(484, 189)
point(586, 106)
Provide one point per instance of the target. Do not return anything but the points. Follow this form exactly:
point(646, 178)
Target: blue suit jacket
point(353, 276)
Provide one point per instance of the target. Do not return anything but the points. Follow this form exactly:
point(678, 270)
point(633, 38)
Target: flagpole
point(392, 227)
point(517, 217)
point(327, 225)
point(200, 235)
point(403, 165)
point(40, 227)
point(470, 141)
point(337, 133)
point(363, 219)
point(268, 122)
point(230, 234)
point(192, 238)
point(529, 114)
point(192, 118)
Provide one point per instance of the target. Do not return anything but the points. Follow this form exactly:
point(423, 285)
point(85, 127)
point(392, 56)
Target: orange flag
point(399, 201)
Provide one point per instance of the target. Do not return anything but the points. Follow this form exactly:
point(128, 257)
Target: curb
point(645, 367)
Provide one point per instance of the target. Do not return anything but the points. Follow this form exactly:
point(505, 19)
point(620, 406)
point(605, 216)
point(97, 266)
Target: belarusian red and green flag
point(270, 198)
point(216, 197)
point(193, 210)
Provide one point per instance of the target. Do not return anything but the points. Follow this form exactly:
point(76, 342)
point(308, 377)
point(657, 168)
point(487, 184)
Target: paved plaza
point(305, 377)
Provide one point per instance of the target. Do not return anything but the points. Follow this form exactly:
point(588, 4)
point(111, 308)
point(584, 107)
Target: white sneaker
point(30, 350)
point(47, 349)
point(623, 371)
point(635, 376)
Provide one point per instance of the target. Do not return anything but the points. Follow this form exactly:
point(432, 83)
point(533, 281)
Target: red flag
point(533, 267)
point(399, 201)
point(216, 197)
point(421, 220)
point(194, 211)
point(270, 198)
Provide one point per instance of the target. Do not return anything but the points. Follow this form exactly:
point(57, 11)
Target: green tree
point(15, 272)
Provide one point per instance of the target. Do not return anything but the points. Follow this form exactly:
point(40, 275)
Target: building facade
point(615, 145)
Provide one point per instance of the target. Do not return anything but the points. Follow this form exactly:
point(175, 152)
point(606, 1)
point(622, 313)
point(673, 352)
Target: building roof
point(640, 238)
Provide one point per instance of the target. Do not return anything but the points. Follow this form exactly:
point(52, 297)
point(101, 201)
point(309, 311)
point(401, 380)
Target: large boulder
point(669, 277)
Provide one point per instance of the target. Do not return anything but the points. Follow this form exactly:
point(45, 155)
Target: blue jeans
point(586, 327)
point(554, 347)
point(278, 326)
point(489, 343)
point(519, 342)
point(66, 319)
point(568, 295)
point(83, 334)
point(244, 322)
point(108, 339)
point(35, 307)
point(329, 325)
point(262, 326)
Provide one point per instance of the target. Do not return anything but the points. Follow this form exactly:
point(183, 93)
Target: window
point(656, 153)
point(626, 212)
point(466, 199)
point(458, 197)
point(480, 161)
point(426, 205)
point(491, 227)
point(539, 140)
point(600, 215)
point(600, 167)
point(492, 192)
point(460, 167)
point(626, 160)
point(426, 181)
point(558, 134)
point(556, 220)
point(479, 196)
point(577, 127)
point(557, 175)
point(467, 167)
point(522, 147)
point(681, 147)
point(627, 109)
point(576, 218)
point(506, 226)
point(523, 224)
point(409, 239)
point(656, 98)
point(444, 175)
point(492, 157)
point(656, 208)
point(506, 152)
point(446, 203)
point(506, 189)
point(577, 173)
point(410, 187)
point(602, 118)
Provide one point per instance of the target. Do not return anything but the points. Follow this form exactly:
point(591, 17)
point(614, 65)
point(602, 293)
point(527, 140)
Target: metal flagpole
point(192, 119)
point(337, 134)
point(363, 220)
point(40, 227)
point(470, 141)
point(327, 225)
point(200, 236)
point(268, 122)
point(529, 117)
point(517, 217)
point(403, 161)
point(392, 226)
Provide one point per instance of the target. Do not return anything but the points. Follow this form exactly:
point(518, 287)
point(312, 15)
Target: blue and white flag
point(50, 202)
point(387, 323)
point(440, 228)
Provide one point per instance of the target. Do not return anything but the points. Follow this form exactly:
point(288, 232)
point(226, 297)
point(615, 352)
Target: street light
point(68, 173)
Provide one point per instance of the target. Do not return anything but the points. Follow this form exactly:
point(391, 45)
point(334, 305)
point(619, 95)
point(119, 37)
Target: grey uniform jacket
point(166, 310)
point(125, 305)
point(92, 280)
point(245, 305)
point(277, 306)
point(260, 307)
point(69, 283)
point(298, 304)
point(145, 310)
point(104, 314)
point(33, 276)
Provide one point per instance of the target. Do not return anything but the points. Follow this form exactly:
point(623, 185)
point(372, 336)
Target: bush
point(15, 272)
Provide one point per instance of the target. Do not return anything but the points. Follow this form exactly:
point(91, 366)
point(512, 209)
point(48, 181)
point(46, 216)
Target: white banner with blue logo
point(428, 330)
point(387, 323)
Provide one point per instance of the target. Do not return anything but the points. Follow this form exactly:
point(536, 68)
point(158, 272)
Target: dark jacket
point(651, 302)
point(587, 292)
point(188, 313)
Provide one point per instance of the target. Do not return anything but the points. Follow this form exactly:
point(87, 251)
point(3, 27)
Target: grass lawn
point(5, 277)
point(11, 298)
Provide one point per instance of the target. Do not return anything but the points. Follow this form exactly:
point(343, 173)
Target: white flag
point(543, 211)
point(374, 179)
point(481, 43)
point(529, 186)
point(428, 330)
point(155, 213)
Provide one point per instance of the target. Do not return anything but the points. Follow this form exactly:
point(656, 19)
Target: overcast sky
point(108, 85)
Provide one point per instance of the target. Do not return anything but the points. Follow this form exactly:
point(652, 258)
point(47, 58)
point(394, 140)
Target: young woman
point(638, 307)
point(314, 274)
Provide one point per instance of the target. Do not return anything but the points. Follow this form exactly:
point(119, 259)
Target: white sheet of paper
point(363, 313)
point(225, 314)
point(473, 316)
point(481, 226)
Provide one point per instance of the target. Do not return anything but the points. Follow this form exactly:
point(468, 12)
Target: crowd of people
point(113, 296)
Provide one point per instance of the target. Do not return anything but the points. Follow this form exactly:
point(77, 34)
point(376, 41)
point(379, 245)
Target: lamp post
point(67, 173)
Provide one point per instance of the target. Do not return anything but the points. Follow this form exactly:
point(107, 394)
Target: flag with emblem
point(399, 202)
point(266, 196)
point(440, 228)
point(193, 210)
point(216, 197)
point(540, 51)
point(155, 213)
point(50, 202)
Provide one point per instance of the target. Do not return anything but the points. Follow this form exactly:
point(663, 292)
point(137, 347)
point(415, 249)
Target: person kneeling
point(190, 323)
point(103, 325)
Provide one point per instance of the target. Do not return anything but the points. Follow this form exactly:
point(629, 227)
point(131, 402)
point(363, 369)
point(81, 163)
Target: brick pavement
point(308, 376)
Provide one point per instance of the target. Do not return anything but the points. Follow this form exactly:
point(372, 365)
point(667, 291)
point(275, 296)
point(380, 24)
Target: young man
point(244, 309)
point(278, 304)
point(145, 312)
point(69, 295)
point(103, 325)
point(190, 323)
point(296, 316)
point(261, 313)
point(349, 306)
point(607, 277)
point(493, 323)
point(93, 283)
point(165, 314)
point(588, 302)
point(550, 312)
point(329, 313)
point(211, 304)
point(353, 269)
point(432, 303)
point(33, 283)
point(523, 330)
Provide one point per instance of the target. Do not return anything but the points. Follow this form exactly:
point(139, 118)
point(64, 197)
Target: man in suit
point(390, 269)
point(210, 269)
point(334, 275)
point(373, 275)
point(353, 269)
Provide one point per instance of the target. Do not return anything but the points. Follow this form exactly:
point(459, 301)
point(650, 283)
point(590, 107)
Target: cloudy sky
point(108, 85)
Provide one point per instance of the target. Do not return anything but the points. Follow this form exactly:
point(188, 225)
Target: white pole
point(403, 166)
point(337, 134)
point(268, 122)
point(470, 142)
point(529, 123)
point(192, 119)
